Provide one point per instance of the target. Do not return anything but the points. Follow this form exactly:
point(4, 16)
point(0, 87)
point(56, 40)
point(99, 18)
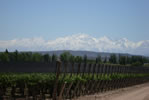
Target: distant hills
point(76, 42)
point(90, 54)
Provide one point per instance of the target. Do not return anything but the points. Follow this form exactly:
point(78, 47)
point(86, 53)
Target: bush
point(137, 64)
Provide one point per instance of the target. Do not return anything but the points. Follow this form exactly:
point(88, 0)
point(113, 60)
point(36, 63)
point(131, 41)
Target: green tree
point(65, 56)
point(6, 51)
point(28, 56)
point(137, 59)
point(21, 57)
point(113, 59)
point(16, 56)
point(54, 57)
point(122, 60)
point(136, 63)
point(105, 60)
point(4, 57)
point(98, 59)
point(36, 57)
point(85, 59)
point(78, 59)
point(128, 60)
point(72, 58)
point(46, 58)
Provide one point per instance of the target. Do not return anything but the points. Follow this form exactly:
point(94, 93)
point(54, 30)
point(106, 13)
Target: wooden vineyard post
point(63, 87)
point(70, 85)
point(107, 81)
point(123, 72)
point(96, 78)
point(89, 82)
point(61, 92)
point(119, 80)
point(108, 74)
point(83, 84)
point(112, 73)
point(98, 75)
point(75, 92)
point(87, 67)
point(102, 75)
point(112, 81)
point(68, 90)
point(94, 81)
point(115, 80)
point(58, 65)
point(84, 68)
point(127, 80)
point(104, 81)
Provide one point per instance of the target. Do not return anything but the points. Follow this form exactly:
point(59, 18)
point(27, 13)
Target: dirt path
point(138, 92)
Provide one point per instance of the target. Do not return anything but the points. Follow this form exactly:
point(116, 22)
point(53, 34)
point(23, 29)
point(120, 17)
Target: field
point(69, 80)
point(41, 85)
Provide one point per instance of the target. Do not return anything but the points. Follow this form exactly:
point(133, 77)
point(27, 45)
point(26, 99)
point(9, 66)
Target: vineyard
point(69, 80)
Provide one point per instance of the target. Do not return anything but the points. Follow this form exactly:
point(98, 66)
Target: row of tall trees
point(25, 57)
point(131, 60)
point(37, 57)
point(113, 59)
point(67, 57)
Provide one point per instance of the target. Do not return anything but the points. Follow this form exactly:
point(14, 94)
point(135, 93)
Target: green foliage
point(24, 57)
point(91, 61)
point(105, 60)
point(36, 57)
point(136, 63)
point(113, 59)
point(136, 59)
point(48, 79)
point(146, 64)
point(65, 57)
point(98, 59)
point(72, 59)
point(46, 58)
point(30, 79)
point(16, 56)
point(4, 57)
point(54, 57)
point(122, 60)
point(85, 59)
point(6, 51)
point(78, 59)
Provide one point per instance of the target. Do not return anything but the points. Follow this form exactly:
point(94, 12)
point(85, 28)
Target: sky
point(53, 19)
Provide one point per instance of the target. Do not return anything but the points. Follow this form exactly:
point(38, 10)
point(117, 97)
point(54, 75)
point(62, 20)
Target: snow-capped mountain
point(78, 42)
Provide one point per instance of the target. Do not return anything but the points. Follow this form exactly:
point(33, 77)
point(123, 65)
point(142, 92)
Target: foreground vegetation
point(68, 85)
point(15, 85)
point(48, 79)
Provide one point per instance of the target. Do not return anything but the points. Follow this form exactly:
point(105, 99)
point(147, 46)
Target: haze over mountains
point(90, 54)
point(78, 42)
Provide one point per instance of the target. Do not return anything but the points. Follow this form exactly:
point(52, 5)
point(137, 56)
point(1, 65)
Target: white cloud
point(77, 42)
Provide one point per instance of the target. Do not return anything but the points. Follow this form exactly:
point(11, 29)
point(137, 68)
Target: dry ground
point(138, 92)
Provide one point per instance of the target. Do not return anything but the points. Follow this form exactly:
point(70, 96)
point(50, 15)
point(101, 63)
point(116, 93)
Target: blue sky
point(51, 19)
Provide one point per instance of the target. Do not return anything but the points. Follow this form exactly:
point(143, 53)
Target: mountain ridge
point(83, 42)
point(89, 54)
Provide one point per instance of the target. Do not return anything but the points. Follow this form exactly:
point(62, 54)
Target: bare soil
point(138, 92)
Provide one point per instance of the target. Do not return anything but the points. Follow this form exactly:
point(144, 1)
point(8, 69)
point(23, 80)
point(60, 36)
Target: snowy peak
point(78, 42)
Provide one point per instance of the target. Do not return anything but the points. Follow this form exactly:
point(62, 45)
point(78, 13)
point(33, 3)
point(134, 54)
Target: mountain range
point(78, 42)
point(89, 54)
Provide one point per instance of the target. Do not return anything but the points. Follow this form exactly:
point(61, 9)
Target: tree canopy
point(68, 57)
